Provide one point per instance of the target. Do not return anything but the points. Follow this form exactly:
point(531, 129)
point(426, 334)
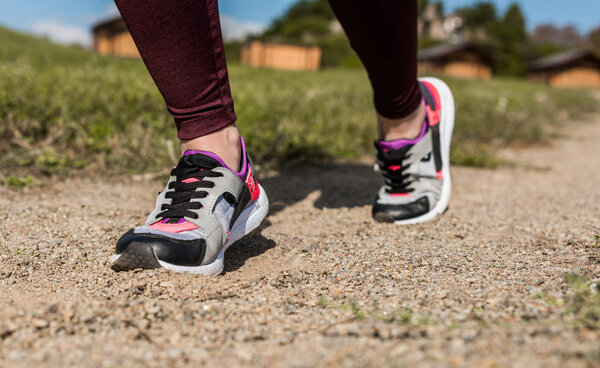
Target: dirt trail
point(320, 284)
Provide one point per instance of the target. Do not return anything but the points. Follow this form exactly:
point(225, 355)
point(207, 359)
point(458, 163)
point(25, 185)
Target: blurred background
point(74, 96)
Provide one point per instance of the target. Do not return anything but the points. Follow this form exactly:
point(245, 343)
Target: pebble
point(463, 290)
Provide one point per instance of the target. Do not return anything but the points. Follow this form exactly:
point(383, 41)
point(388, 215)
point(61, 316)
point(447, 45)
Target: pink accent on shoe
point(395, 167)
point(440, 175)
point(190, 180)
point(399, 194)
point(435, 93)
point(173, 228)
point(252, 186)
point(434, 116)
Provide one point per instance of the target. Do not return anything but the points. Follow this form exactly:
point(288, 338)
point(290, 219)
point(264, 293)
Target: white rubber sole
point(447, 127)
point(249, 220)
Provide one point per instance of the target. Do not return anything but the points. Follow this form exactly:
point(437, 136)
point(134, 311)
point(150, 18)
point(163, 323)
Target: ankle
point(225, 143)
point(409, 127)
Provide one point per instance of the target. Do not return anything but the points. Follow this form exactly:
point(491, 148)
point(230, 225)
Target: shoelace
point(395, 172)
point(184, 189)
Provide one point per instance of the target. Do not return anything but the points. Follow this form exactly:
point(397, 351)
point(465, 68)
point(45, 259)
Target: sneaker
point(205, 207)
point(417, 172)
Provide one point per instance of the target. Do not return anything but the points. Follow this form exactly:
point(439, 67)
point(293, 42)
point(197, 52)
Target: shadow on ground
point(339, 185)
point(250, 246)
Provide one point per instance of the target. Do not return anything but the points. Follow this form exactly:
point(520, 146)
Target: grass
point(65, 108)
point(403, 315)
point(581, 305)
point(584, 305)
point(20, 181)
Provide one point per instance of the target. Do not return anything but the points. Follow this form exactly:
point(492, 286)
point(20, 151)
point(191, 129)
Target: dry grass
point(64, 108)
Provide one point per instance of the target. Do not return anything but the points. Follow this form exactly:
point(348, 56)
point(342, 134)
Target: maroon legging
point(181, 44)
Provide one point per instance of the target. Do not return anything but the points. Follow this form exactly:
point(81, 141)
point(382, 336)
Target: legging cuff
point(198, 126)
point(399, 107)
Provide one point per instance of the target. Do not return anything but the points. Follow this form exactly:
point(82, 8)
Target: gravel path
point(319, 284)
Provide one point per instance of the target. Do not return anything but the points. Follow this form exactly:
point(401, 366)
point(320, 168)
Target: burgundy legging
point(181, 44)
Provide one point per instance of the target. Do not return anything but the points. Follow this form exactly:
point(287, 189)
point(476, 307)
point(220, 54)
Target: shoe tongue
point(204, 159)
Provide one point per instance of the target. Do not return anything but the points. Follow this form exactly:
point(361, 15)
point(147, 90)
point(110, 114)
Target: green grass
point(20, 181)
point(403, 315)
point(581, 304)
point(584, 305)
point(64, 108)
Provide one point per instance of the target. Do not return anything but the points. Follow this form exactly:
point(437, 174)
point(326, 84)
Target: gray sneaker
point(417, 172)
point(205, 208)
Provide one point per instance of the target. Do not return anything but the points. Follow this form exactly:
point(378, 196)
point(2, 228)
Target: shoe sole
point(447, 127)
point(144, 258)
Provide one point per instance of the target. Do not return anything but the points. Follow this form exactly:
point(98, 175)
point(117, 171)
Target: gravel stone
point(319, 283)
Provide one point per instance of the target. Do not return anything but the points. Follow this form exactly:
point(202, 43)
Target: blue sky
point(69, 21)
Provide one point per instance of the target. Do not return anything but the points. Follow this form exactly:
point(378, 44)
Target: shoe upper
point(412, 169)
point(194, 213)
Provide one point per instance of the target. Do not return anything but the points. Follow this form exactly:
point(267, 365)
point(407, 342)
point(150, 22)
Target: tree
point(305, 28)
point(439, 8)
point(318, 10)
point(509, 38)
point(479, 15)
point(514, 23)
point(422, 6)
point(308, 22)
point(548, 39)
point(594, 37)
point(549, 34)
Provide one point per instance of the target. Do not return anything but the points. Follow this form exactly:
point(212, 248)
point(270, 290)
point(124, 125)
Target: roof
point(448, 49)
point(107, 23)
point(564, 59)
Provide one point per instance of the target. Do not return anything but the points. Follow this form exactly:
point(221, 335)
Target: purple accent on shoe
point(165, 220)
point(400, 143)
point(241, 174)
point(207, 153)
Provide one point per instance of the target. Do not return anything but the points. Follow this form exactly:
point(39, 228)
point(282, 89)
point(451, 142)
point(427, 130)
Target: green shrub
point(63, 108)
point(20, 181)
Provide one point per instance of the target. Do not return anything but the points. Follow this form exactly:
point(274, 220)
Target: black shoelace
point(182, 194)
point(394, 170)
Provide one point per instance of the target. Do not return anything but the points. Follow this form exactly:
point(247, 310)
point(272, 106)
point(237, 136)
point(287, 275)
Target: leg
point(415, 119)
point(384, 35)
point(181, 45)
point(212, 198)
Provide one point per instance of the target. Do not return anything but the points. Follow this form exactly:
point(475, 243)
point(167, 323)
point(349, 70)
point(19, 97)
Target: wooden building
point(112, 37)
point(280, 56)
point(465, 60)
point(575, 68)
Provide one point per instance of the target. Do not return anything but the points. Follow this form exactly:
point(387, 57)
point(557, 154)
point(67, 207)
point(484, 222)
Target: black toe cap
point(398, 212)
point(174, 251)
